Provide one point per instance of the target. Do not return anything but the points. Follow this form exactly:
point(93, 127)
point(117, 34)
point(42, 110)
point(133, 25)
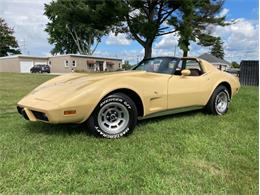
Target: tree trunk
point(148, 49)
point(185, 53)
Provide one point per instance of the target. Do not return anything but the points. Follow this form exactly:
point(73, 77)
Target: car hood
point(67, 85)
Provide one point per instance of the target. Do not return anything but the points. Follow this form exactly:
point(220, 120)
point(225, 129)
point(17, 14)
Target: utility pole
point(22, 46)
point(175, 47)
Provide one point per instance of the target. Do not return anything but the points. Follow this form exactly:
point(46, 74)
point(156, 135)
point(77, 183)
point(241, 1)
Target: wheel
point(219, 101)
point(114, 117)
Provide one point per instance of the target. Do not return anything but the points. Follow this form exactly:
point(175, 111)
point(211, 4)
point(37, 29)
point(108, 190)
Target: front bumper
point(32, 115)
point(37, 110)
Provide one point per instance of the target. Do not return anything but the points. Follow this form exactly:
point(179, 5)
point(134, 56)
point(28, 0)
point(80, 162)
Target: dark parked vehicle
point(40, 68)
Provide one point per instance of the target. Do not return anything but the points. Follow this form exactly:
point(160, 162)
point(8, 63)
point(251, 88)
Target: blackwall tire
point(219, 101)
point(115, 116)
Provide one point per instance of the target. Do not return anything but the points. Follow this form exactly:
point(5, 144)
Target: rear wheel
point(219, 101)
point(114, 117)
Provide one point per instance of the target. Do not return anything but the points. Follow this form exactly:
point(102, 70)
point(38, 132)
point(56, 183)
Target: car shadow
point(73, 129)
point(52, 129)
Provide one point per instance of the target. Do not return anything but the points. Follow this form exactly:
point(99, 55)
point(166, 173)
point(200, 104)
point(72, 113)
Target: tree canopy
point(192, 20)
point(77, 25)
point(67, 31)
point(74, 25)
point(235, 65)
point(8, 43)
point(217, 49)
point(146, 20)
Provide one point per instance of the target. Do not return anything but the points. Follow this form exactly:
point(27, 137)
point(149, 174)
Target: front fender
point(93, 94)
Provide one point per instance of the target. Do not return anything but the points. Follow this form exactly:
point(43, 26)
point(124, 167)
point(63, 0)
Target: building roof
point(249, 63)
point(214, 60)
point(87, 56)
point(47, 57)
point(24, 56)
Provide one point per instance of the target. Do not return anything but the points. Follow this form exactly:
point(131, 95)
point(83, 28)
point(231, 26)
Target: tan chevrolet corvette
point(111, 103)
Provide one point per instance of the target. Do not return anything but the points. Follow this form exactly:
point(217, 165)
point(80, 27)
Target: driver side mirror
point(185, 72)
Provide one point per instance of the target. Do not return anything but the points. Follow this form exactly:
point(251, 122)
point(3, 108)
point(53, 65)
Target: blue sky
point(241, 40)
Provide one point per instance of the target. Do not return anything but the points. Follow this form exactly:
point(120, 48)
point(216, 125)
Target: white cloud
point(132, 55)
point(27, 19)
point(224, 12)
point(135, 13)
point(119, 39)
point(167, 41)
point(240, 39)
point(168, 46)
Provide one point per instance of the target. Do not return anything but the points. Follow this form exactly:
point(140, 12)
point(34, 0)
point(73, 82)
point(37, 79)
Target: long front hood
point(66, 86)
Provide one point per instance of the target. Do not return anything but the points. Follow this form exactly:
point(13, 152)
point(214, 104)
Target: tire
point(115, 116)
point(219, 101)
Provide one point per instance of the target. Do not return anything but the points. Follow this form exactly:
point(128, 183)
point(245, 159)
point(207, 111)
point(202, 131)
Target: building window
point(49, 63)
point(74, 63)
point(66, 63)
point(91, 66)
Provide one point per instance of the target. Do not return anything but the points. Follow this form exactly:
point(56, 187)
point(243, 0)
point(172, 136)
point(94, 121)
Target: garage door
point(40, 63)
point(25, 66)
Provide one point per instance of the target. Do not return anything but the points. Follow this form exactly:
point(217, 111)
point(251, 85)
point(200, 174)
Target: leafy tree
point(192, 20)
point(146, 20)
point(235, 65)
point(217, 49)
point(76, 25)
point(67, 32)
point(143, 20)
point(8, 43)
point(126, 65)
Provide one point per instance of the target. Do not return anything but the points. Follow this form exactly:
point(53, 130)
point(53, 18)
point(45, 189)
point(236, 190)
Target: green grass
point(190, 153)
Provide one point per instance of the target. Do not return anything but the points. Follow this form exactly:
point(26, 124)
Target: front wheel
point(114, 117)
point(219, 101)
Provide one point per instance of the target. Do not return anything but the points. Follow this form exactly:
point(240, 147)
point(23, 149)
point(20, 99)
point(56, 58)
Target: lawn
point(190, 153)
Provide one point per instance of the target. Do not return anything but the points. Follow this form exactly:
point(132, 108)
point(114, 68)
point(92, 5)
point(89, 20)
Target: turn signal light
point(69, 112)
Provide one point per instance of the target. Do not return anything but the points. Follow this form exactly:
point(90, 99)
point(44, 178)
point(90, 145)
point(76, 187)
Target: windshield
point(163, 65)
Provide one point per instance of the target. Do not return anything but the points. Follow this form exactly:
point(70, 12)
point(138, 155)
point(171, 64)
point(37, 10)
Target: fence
point(249, 72)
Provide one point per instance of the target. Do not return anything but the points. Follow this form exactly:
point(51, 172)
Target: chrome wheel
point(221, 102)
point(113, 118)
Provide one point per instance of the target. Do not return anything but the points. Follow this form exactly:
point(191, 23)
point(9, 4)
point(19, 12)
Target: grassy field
point(189, 153)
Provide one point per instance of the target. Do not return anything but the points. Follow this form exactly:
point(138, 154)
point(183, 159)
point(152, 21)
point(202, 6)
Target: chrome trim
point(171, 111)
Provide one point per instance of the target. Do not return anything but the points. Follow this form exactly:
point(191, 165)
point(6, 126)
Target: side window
point(191, 65)
point(66, 63)
point(74, 63)
point(150, 65)
point(172, 64)
point(178, 68)
point(166, 66)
